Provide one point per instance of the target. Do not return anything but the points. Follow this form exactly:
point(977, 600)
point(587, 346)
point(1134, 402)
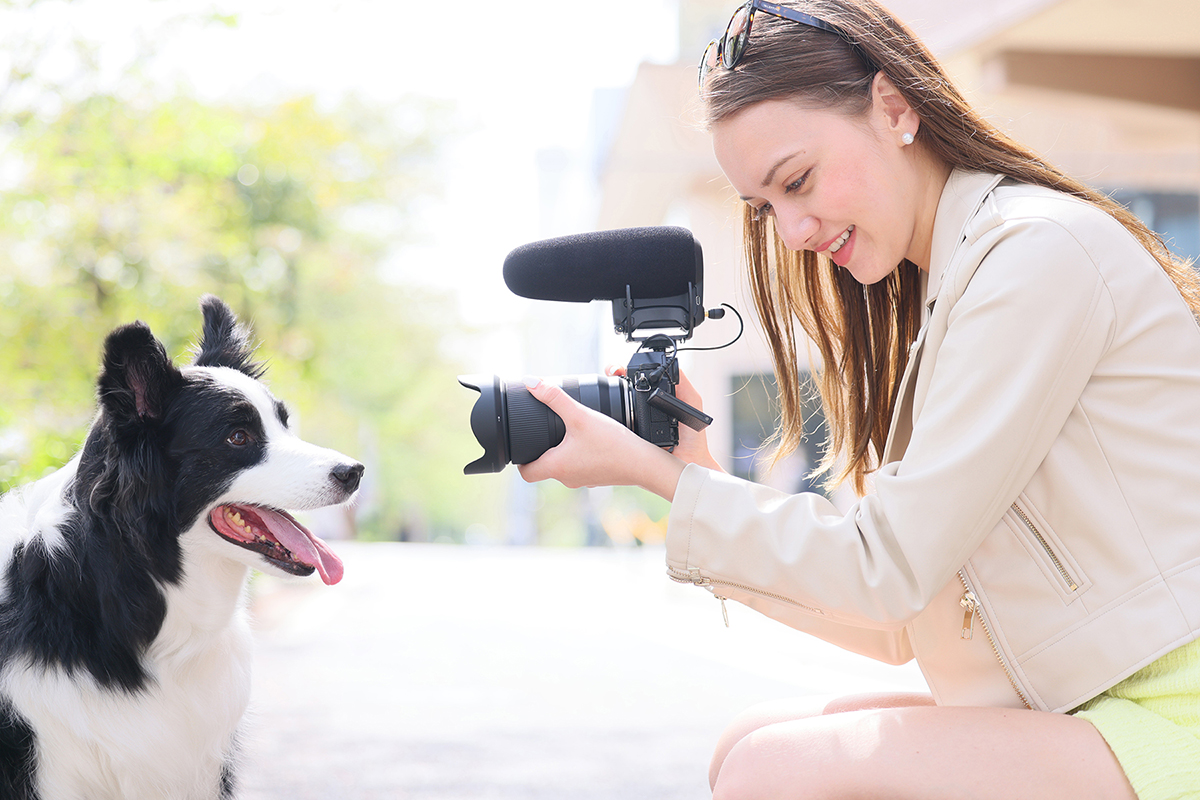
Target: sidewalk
point(435, 672)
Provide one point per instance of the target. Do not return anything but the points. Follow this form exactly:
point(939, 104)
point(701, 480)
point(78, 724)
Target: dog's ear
point(225, 343)
point(138, 381)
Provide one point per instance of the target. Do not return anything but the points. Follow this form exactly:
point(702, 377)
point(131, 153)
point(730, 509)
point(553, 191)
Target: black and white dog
point(124, 645)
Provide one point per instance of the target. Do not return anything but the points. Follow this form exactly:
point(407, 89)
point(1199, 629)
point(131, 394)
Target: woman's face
point(844, 186)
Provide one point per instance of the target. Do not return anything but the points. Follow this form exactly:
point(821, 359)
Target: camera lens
point(514, 427)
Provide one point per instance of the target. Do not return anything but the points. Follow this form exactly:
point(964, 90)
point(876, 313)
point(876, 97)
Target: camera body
point(648, 374)
point(513, 427)
point(652, 376)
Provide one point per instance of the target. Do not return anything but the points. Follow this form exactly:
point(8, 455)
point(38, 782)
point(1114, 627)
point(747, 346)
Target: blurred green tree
point(117, 203)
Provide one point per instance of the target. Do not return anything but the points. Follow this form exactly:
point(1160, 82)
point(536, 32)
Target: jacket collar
point(961, 198)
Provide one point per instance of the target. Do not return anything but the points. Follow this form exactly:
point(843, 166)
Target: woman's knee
point(776, 711)
point(769, 761)
point(735, 780)
point(757, 717)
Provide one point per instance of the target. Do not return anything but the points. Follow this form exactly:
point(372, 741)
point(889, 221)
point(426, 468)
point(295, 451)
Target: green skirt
point(1151, 720)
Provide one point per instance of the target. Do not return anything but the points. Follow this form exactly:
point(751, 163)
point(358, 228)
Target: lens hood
point(488, 423)
point(513, 426)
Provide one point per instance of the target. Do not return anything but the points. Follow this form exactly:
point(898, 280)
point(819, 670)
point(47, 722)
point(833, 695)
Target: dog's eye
point(239, 438)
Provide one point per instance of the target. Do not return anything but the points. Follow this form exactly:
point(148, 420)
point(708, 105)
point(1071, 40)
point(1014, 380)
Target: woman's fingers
point(686, 392)
point(550, 395)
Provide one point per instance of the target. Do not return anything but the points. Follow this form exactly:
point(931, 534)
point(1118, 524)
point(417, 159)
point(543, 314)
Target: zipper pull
point(724, 611)
point(970, 604)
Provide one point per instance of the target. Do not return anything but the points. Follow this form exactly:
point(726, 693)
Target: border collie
point(124, 645)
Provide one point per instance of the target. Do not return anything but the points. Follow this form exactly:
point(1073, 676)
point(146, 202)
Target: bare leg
point(902, 746)
point(796, 708)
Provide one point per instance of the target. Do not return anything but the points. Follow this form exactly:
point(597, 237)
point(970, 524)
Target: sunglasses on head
point(726, 51)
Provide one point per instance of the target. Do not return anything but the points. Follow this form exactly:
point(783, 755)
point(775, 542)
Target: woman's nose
point(797, 230)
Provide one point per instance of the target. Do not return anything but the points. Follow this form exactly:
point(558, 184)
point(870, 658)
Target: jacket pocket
point(1046, 549)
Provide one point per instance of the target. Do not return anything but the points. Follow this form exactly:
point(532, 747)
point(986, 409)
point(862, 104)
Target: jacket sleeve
point(1012, 357)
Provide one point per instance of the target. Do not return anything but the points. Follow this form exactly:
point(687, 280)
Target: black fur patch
point(225, 343)
point(16, 756)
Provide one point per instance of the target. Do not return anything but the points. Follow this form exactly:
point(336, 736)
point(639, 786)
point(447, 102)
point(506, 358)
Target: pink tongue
point(307, 549)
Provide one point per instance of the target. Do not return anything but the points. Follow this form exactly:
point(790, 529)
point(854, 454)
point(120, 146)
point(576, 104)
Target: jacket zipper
point(1071, 584)
point(972, 607)
point(969, 602)
point(693, 576)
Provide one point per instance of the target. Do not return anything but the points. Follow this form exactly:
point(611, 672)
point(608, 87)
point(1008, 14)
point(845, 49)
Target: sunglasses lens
point(712, 57)
point(736, 36)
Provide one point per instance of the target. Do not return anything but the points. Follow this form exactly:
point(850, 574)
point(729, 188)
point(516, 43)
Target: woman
point(1013, 364)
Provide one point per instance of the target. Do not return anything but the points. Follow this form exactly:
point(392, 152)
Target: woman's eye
point(796, 184)
point(762, 212)
point(239, 438)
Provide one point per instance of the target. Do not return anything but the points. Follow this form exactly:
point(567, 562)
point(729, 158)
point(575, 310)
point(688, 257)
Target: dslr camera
point(654, 278)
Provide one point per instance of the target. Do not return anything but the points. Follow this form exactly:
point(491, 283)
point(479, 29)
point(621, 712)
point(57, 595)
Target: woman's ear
point(891, 111)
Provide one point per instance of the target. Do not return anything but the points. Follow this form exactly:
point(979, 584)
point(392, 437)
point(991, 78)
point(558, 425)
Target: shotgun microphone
point(643, 263)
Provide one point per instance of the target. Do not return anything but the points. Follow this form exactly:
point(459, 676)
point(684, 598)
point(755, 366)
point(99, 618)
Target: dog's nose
point(348, 475)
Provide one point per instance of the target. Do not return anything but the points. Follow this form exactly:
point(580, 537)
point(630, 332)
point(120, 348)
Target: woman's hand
point(693, 445)
point(599, 451)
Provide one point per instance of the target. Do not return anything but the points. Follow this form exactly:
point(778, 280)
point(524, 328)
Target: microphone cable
point(712, 315)
point(676, 349)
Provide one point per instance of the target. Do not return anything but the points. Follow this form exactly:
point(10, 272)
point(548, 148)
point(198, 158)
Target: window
point(1173, 215)
point(755, 418)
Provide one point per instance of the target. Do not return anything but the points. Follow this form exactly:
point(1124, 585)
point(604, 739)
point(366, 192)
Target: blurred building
point(1109, 92)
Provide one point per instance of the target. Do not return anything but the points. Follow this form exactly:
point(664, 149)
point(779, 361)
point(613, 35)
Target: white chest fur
point(169, 741)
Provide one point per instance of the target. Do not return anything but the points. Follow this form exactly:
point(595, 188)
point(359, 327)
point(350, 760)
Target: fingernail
point(533, 383)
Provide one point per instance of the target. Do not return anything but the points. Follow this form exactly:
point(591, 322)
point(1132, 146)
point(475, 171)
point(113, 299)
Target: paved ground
point(436, 672)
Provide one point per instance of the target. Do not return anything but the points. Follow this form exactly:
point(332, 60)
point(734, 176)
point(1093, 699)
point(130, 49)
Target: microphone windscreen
point(654, 262)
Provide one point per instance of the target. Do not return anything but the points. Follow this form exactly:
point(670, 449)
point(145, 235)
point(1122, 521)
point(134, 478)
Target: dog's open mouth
point(277, 537)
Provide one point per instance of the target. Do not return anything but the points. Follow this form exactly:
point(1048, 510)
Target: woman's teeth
point(841, 240)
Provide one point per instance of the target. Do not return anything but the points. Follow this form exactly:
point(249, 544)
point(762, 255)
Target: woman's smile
point(841, 240)
point(839, 251)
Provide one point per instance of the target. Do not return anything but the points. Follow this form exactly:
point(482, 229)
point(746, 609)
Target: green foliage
point(131, 209)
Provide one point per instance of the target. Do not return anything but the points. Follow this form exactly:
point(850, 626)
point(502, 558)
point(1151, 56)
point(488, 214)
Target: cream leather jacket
point(1034, 535)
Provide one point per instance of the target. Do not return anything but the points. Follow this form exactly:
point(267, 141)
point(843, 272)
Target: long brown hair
point(863, 332)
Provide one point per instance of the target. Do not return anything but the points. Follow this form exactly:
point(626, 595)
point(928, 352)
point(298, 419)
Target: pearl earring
point(907, 138)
